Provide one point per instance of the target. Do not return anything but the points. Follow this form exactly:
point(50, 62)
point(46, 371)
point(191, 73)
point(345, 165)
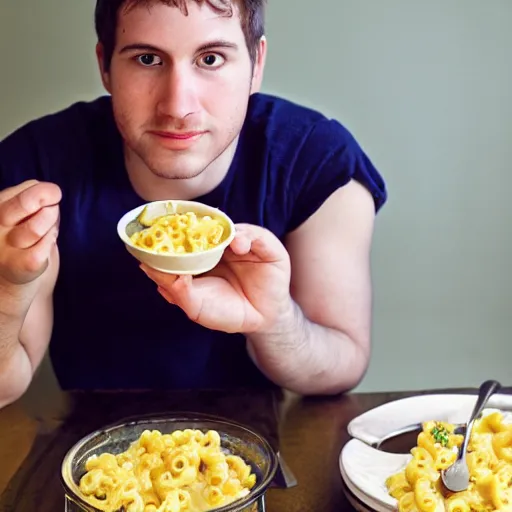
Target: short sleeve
point(329, 158)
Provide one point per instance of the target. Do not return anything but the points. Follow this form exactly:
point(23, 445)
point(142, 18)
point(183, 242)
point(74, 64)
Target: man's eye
point(149, 59)
point(211, 61)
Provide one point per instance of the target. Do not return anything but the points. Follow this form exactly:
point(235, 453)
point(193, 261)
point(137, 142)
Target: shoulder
point(311, 154)
point(292, 131)
point(79, 115)
point(275, 110)
point(290, 120)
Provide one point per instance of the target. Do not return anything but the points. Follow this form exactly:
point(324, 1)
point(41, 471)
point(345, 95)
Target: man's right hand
point(29, 224)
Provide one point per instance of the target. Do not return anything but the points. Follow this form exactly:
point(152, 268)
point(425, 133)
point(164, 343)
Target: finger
point(166, 295)
point(28, 202)
point(9, 192)
point(29, 232)
point(160, 278)
point(241, 244)
point(188, 296)
point(36, 259)
point(175, 289)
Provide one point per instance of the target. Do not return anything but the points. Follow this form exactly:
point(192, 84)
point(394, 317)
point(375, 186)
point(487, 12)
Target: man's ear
point(259, 65)
point(105, 75)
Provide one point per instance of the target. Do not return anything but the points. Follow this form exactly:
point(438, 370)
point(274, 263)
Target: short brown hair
point(251, 12)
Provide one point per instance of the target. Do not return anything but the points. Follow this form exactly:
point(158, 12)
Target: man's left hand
point(247, 292)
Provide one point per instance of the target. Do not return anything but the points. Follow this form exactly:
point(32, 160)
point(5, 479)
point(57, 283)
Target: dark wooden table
point(308, 432)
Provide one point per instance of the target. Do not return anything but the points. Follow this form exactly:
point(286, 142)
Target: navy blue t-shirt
point(111, 327)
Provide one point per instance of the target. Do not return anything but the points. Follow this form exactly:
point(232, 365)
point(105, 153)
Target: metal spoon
point(456, 477)
point(134, 226)
point(459, 429)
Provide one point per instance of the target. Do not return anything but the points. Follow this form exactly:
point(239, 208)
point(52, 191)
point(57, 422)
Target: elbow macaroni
point(182, 471)
point(418, 488)
point(180, 233)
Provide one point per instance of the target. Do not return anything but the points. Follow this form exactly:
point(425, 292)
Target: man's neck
point(151, 187)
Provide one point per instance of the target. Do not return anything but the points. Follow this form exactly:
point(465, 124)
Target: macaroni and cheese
point(186, 470)
point(180, 233)
point(419, 488)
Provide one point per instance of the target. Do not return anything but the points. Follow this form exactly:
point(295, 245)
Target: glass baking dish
point(235, 438)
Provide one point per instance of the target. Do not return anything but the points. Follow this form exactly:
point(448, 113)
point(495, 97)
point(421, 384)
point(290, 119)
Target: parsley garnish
point(440, 435)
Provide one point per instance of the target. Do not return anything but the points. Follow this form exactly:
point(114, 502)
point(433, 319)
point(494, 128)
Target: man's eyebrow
point(140, 47)
point(204, 47)
point(217, 44)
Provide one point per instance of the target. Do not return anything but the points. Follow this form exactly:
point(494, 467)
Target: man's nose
point(178, 95)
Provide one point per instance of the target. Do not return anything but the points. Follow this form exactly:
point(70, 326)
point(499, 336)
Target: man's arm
point(29, 263)
point(306, 309)
point(24, 338)
point(322, 344)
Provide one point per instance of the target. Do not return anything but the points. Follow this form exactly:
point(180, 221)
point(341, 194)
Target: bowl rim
point(186, 416)
point(132, 214)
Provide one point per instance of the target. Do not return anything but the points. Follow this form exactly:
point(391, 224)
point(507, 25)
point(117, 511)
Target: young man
point(290, 303)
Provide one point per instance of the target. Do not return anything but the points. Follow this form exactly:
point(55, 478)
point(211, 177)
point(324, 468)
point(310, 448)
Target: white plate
point(364, 469)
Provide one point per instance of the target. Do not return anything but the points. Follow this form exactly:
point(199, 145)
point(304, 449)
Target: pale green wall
point(426, 88)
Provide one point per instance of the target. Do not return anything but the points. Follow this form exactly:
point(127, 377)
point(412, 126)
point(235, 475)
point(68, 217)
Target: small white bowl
point(186, 263)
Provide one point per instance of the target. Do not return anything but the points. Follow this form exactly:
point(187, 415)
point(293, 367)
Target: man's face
point(180, 85)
